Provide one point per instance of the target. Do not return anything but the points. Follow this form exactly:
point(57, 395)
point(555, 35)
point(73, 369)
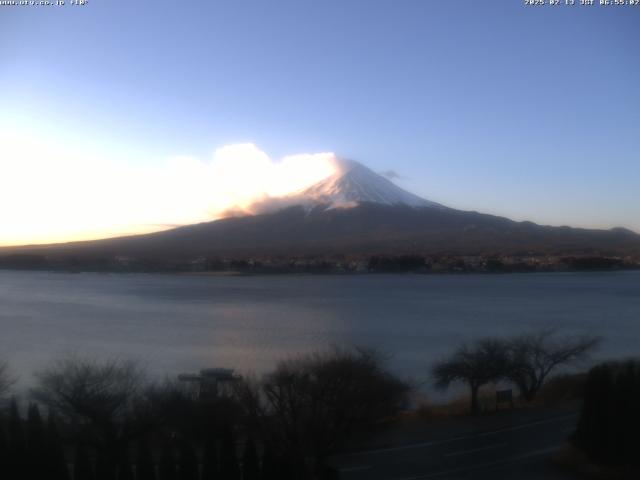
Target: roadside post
point(504, 396)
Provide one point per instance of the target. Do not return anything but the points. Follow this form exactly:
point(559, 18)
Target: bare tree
point(313, 403)
point(87, 390)
point(485, 361)
point(6, 380)
point(95, 397)
point(534, 356)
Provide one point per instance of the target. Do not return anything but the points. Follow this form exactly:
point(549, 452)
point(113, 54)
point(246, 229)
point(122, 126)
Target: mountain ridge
point(353, 212)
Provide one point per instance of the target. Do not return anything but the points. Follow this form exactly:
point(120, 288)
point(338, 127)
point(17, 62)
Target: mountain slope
point(353, 212)
point(365, 229)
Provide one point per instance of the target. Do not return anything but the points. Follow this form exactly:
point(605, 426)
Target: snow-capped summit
point(353, 184)
point(350, 185)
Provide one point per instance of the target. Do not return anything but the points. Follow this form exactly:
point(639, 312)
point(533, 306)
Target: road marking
point(457, 439)
point(480, 466)
point(474, 450)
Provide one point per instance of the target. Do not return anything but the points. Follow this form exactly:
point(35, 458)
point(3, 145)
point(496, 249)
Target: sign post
point(504, 396)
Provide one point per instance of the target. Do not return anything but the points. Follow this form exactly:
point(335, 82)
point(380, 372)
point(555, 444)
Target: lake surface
point(174, 323)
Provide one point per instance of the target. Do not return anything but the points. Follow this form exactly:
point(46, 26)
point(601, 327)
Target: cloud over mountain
point(90, 194)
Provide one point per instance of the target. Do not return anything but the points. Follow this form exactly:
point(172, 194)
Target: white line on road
point(474, 450)
point(456, 439)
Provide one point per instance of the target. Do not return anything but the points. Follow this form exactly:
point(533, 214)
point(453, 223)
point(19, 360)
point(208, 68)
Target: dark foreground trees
point(283, 426)
point(315, 403)
point(115, 425)
point(96, 401)
point(610, 419)
point(527, 361)
point(29, 448)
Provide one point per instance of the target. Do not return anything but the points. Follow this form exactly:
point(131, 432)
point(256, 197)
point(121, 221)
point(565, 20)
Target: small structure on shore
point(211, 382)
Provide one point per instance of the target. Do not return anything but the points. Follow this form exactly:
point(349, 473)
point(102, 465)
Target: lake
point(181, 323)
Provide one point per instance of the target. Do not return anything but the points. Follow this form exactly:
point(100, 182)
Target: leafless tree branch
point(535, 355)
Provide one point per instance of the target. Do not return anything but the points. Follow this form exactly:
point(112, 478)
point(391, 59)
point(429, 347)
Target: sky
point(120, 117)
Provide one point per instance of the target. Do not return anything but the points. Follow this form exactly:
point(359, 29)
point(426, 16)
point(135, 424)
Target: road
point(519, 448)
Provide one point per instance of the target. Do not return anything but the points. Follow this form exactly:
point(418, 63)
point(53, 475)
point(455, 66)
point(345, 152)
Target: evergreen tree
point(229, 468)
point(210, 465)
point(146, 469)
point(56, 461)
point(17, 462)
point(36, 444)
point(584, 430)
point(167, 463)
point(105, 467)
point(82, 467)
point(635, 418)
point(4, 446)
point(595, 433)
point(125, 469)
point(285, 469)
point(269, 464)
point(606, 440)
point(250, 462)
point(274, 466)
point(624, 410)
point(188, 461)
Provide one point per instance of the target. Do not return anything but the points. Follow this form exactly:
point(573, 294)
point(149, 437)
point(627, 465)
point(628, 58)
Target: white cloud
point(50, 192)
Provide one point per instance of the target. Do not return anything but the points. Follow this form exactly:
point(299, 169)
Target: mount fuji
point(353, 184)
point(352, 212)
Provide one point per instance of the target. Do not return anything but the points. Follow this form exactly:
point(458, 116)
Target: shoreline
point(294, 273)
